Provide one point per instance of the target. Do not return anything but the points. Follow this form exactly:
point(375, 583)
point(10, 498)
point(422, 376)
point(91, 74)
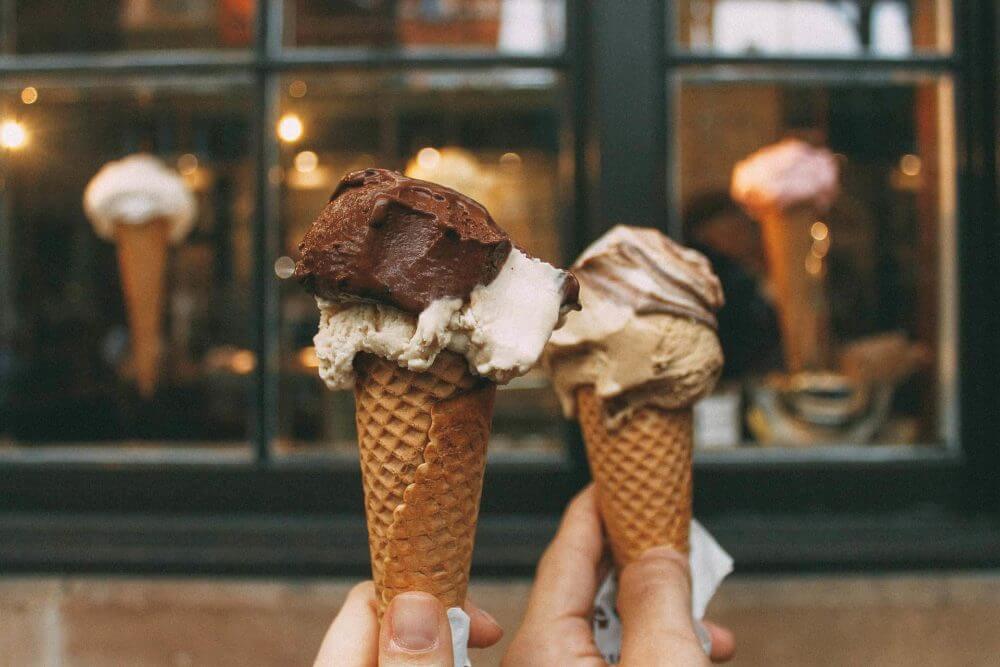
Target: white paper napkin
point(709, 564)
point(459, 622)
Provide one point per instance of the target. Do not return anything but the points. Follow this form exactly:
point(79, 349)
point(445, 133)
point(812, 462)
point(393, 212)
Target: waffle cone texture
point(142, 265)
point(642, 474)
point(422, 437)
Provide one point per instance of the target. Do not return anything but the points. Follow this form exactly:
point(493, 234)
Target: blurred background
point(838, 475)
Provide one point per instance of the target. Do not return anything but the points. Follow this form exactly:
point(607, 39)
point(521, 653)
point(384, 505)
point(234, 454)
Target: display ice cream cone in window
point(787, 188)
point(629, 366)
point(425, 306)
point(142, 206)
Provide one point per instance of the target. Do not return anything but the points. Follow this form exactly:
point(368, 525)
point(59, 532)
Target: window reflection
point(496, 135)
point(513, 26)
point(126, 25)
point(887, 28)
point(68, 346)
point(836, 332)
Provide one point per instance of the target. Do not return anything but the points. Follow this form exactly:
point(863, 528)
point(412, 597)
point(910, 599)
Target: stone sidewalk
point(935, 619)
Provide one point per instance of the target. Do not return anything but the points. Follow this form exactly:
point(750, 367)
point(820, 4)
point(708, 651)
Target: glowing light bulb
point(308, 358)
point(290, 128)
point(814, 265)
point(510, 159)
point(29, 95)
point(243, 362)
point(306, 161)
point(819, 230)
point(187, 164)
point(13, 135)
point(428, 158)
point(910, 164)
point(284, 267)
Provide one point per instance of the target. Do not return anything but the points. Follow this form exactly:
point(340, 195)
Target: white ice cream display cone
point(142, 206)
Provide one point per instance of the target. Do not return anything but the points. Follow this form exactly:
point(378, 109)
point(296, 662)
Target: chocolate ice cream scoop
point(405, 269)
point(400, 241)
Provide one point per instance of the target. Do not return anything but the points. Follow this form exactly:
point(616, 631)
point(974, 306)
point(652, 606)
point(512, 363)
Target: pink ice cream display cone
point(786, 187)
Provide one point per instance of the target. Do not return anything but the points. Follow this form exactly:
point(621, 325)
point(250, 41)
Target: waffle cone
point(788, 243)
point(423, 440)
point(642, 474)
point(142, 264)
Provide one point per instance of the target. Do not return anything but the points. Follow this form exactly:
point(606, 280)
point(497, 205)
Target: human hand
point(654, 602)
point(414, 631)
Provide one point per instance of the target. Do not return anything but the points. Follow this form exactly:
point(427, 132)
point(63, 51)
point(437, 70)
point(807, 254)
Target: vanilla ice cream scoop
point(646, 332)
point(786, 175)
point(136, 190)
point(405, 269)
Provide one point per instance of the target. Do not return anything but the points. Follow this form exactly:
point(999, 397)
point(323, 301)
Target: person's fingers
point(723, 642)
point(654, 602)
point(567, 576)
point(352, 640)
point(484, 631)
point(415, 631)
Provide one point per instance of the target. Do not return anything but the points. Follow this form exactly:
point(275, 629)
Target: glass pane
point(839, 322)
point(496, 135)
point(142, 334)
point(508, 26)
point(888, 28)
point(30, 26)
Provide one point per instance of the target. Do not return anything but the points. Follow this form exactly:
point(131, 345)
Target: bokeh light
point(187, 164)
point(910, 164)
point(284, 267)
point(428, 158)
point(290, 128)
point(13, 135)
point(306, 161)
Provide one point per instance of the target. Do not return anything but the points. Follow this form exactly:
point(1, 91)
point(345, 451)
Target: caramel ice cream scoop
point(646, 330)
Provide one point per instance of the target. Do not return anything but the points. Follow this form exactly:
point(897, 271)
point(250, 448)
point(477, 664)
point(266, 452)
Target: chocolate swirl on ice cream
point(643, 269)
point(646, 332)
point(404, 269)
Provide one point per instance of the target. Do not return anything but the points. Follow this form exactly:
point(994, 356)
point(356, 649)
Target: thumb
point(415, 631)
point(654, 602)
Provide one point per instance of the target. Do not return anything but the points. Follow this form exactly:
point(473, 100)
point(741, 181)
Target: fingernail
point(413, 619)
point(486, 616)
point(663, 552)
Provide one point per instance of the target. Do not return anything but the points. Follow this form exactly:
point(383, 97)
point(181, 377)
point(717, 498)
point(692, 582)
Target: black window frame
point(287, 515)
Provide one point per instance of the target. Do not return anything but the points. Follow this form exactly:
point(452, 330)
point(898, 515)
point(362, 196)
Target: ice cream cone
point(142, 263)
point(788, 243)
point(423, 438)
point(642, 471)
